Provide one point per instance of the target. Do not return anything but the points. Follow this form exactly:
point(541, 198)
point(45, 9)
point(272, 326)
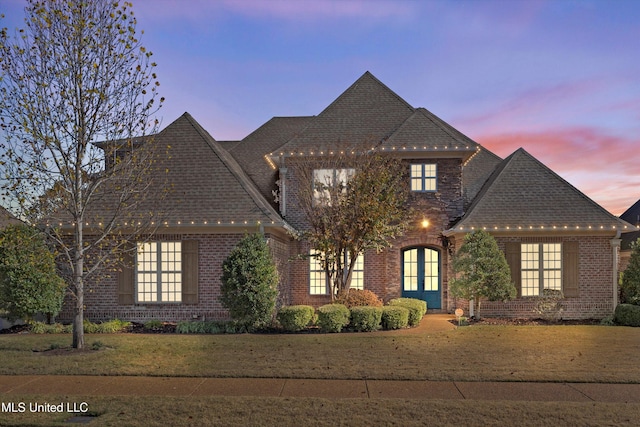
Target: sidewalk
point(339, 389)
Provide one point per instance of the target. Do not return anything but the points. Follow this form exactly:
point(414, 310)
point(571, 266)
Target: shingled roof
point(205, 185)
point(524, 194)
point(632, 216)
point(251, 151)
point(361, 117)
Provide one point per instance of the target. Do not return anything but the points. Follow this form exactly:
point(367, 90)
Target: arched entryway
point(421, 277)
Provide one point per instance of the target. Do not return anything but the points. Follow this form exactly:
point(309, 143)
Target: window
point(317, 276)
point(423, 177)
point(541, 265)
point(324, 180)
point(159, 272)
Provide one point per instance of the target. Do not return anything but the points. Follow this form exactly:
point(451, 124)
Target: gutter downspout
point(615, 246)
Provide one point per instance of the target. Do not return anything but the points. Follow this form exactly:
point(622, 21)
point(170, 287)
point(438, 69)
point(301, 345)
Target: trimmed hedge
point(627, 315)
point(394, 317)
point(358, 298)
point(417, 308)
point(295, 318)
point(366, 319)
point(333, 317)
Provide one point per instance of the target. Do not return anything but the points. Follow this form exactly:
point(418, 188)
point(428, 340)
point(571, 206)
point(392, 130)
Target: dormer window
point(423, 177)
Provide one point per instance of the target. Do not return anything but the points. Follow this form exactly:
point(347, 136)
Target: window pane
point(159, 272)
point(431, 267)
point(410, 270)
point(317, 281)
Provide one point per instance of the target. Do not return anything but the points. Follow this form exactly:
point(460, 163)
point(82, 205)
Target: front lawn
point(480, 353)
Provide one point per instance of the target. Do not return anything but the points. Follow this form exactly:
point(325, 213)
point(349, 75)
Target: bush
point(110, 327)
point(358, 298)
point(627, 315)
point(250, 282)
point(417, 308)
point(549, 304)
point(394, 317)
point(296, 317)
point(29, 283)
point(211, 327)
point(333, 317)
point(365, 319)
point(630, 283)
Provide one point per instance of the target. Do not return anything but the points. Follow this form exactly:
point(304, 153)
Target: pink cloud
point(601, 165)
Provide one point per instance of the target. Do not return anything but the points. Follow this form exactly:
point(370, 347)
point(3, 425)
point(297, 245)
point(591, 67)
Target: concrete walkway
point(339, 389)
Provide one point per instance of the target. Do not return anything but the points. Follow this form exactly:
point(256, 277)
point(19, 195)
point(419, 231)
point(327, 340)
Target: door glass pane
point(410, 270)
point(431, 267)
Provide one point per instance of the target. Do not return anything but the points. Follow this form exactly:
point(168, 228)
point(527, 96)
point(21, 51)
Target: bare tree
point(75, 76)
point(351, 204)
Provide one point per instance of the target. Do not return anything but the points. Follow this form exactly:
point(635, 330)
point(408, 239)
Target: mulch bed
point(525, 322)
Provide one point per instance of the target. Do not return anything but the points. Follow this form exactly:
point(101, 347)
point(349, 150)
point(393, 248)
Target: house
point(632, 216)
point(552, 234)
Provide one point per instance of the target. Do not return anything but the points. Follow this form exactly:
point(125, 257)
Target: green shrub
point(296, 317)
point(358, 298)
point(394, 317)
point(153, 324)
point(417, 308)
point(630, 283)
point(627, 315)
point(109, 327)
point(29, 283)
point(333, 317)
point(365, 319)
point(250, 282)
point(211, 327)
point(56, 328)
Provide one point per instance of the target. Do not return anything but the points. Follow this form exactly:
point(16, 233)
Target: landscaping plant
point(630, 285)
point(333, 317)
point(28, 280)
point(481, 271)
point(295, 318)
point(250, 282)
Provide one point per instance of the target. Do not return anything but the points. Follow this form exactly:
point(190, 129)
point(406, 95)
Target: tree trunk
point(478, 310)
point(78, 318)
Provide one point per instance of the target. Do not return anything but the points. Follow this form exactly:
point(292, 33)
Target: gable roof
point(251, 152)
point(205, 186)
point(424, 131)
point(523, 194)
point(362, 116)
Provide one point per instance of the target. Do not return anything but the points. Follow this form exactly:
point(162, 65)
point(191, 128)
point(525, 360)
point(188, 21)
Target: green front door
point(421, 275)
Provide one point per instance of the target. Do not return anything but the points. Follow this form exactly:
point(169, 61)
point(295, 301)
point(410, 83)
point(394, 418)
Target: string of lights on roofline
point(174, 223)
point(436, 148)
point(458, 228)
point(540, 227)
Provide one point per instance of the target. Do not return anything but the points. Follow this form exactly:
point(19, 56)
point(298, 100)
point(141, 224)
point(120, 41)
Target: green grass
point(479, 353)
point(242, 411)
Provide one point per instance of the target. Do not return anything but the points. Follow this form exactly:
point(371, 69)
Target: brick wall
point(101, 297)
point(595, 277)
point(382, 272)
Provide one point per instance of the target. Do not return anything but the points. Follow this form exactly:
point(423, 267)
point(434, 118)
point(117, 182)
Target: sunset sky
point(559, 78)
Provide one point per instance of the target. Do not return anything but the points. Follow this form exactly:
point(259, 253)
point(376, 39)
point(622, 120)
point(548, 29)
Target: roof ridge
point(232, 166)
